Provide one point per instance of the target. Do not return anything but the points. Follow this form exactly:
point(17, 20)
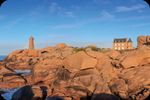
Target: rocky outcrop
point(60, 72)
point(143, 40)
point(132, 83)
point(79, 61)
point(136, 58)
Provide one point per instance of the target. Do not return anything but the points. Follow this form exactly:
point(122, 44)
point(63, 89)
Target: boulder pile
point(63, 73)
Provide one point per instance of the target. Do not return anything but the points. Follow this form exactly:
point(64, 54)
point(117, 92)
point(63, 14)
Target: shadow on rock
point(1, 98)
point(148, 98)
point(54, 98)
point(101, 96)
point(24, 93)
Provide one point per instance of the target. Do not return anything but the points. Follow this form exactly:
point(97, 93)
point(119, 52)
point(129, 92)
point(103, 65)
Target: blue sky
point(75, 22)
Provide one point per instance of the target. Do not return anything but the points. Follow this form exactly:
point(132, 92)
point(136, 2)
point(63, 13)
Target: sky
point(74, 22)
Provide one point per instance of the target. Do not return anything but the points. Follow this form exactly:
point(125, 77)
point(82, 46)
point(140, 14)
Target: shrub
point(77, 49)
point(91, 47)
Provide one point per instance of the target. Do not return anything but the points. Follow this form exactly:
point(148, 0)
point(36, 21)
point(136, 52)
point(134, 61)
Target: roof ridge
point(122, 40)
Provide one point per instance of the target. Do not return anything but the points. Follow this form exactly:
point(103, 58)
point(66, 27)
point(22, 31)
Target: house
point(122, 44)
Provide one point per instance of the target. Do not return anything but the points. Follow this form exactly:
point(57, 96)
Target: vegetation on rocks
point(92, 48)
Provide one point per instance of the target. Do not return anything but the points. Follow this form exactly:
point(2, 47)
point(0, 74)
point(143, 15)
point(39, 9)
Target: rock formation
point(60, 72)
point(143, 40)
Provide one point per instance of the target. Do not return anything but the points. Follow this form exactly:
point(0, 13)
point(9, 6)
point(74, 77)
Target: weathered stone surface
point(96, 55)
point(12, 81)
point(60, 51)
point(135, 58)
point(4, 70)
point(37, 92)
point(47, 64)
point(143, 40)
point(106, 69)
point(145, 61)
point(119, 87)
point(61, 45)
point(79, 60)
point(33, 53)
point(22, 59)
point(10, 56)
point(62, 72)
point(137, 77)
point(113, 54)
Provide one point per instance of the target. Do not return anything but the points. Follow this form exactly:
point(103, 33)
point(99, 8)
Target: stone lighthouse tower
point(31, 43)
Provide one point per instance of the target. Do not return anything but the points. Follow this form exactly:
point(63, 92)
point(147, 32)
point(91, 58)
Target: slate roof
point(122, 40)
point(129, 40)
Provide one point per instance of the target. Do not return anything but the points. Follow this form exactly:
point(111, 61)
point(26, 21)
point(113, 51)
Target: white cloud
point(106, 15)
point(140, 25)
point(67, 26)
point(12, 23)
point(55, 8)
point(69, 14)
point(131, 8)
point(146, 17)
point(101, 1)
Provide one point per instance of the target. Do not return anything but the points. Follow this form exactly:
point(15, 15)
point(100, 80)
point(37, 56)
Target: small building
point(122, 44)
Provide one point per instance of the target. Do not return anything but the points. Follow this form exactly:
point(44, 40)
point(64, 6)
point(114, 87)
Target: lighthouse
point(31, 43)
